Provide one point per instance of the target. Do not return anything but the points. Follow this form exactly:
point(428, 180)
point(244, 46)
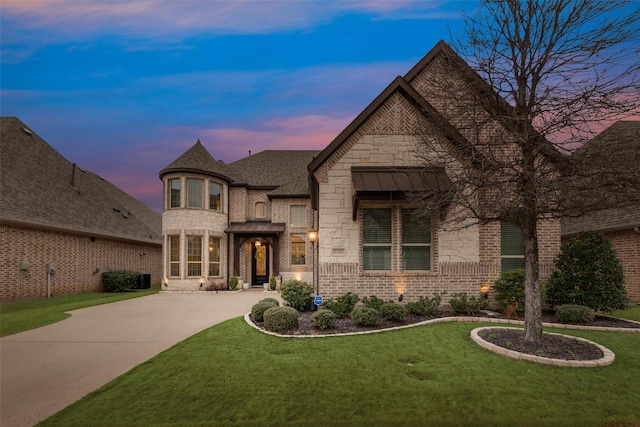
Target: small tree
point(588, 272)
point(509, 289)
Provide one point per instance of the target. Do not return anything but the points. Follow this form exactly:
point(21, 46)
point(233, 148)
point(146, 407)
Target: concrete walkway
point(46, 369)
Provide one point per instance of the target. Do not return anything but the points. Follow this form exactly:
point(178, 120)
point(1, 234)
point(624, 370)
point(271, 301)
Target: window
point(214, 196)
point(298, 216)
point(174, 256)
point(174, 193)
point(298, 249)
point(194, 256)
point(214, 256)
point(194, 193)
point(261, 210)
point(376, 239)
point(416, 240)
point(511, 247)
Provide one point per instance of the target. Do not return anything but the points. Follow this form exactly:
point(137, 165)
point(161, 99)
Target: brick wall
point(76, 257)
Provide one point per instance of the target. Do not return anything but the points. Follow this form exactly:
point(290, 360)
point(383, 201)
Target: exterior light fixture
point(313, 235)
point(484, 290)
point(400, 297)
point(258, 243)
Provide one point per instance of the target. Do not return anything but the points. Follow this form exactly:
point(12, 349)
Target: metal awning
point(394, 183)
point(256, 227)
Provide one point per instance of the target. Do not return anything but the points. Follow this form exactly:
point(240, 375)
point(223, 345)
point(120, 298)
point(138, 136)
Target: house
point(621, 225)
point(61, 226)
point(252, 218)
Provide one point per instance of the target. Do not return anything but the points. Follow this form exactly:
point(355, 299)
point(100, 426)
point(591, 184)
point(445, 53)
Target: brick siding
point(76, 257)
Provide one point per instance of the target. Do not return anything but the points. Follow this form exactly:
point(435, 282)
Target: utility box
point(25, 266)
point(51, 268)
point(145, 281)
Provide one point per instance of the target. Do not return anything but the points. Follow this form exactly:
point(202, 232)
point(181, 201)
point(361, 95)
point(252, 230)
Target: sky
point(123, 88)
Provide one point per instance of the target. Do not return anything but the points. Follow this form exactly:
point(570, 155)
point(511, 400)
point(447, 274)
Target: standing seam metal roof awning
point(256, 227)
point(384, 183)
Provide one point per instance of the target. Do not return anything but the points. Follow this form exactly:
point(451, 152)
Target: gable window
point(174, 256)
point(416, 240)
point(194, 256)
point(194, 193)
point(214, 256)
point(511, 247)
point(298, 249)
point(174, 193)
point(376, 239)
point(214, 196)
point(298, 216)
point(261, 210)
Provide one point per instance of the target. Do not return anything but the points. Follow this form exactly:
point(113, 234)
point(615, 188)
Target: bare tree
point(540, 77)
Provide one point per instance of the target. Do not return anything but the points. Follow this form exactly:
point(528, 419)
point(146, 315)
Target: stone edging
point(607, 358)
point(465, 319)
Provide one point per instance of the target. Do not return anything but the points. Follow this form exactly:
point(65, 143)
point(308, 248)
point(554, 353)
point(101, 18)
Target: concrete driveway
point(46, 369)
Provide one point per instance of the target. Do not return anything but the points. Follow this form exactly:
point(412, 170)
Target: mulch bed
point(552, 346)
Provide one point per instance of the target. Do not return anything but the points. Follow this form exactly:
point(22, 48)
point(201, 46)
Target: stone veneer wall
point(76, 257)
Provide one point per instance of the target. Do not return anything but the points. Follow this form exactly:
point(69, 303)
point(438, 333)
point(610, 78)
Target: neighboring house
point(621, 226)
point(61, 226)
point(254, 215)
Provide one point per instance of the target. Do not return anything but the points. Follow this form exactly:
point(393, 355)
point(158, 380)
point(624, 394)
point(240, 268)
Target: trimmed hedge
point(364, 316)
point(257, 311)
point(323, 319)
point(425, 306)
point(392, 311)
point(297, 294)
point(463, 303)
point(119, 280)
point(273, 300)
point(373, 302)
point(280, 319)
point(509, 289)
point(342, 305)
point(572, 313)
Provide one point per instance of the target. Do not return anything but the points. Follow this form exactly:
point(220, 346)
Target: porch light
point(313, 235)
point(258, 243)
point(484, 290)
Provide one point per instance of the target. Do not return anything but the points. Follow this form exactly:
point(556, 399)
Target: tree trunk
point(532, 292)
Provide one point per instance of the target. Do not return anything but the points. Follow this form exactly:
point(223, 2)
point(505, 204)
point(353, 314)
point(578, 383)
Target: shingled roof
point(283, 171)
point(620, 143)
point(198, 160)
point(40, 188)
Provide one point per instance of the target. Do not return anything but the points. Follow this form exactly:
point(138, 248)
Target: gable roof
point(619, 143)
point(40, 188)
point(198, 160)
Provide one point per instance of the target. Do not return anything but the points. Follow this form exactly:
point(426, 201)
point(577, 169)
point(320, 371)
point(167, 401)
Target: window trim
point(170, 190)
point(172, 261)
point(388, 245)
point(219, 261)
point(213, 183)
point(189, 261)
point(303, 243)
point(189, 193)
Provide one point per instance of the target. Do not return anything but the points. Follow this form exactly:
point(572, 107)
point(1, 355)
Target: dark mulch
point(551, 346)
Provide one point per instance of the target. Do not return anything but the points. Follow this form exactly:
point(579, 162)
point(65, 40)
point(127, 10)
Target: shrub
point(297, 294)
point(272, 283)
point(373, 302)
point(572, 313)
point(392, 311)
point(273, 300)
point(280, 319)
point(323, 319)
point(463, 303)
point(233, 282)
point(119, 280)
point(425, 306)
point(364, 316)
point(216, 287)
point(509, 289)
point(342, 305)
point(588, 272)
point(257, 311)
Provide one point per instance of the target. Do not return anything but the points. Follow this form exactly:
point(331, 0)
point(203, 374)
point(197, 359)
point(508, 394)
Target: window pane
point(194, 255)
point(416, 258)
point(416, 226)
point(214, 196)
point(174, 193)
point(512, 263)
point(194, 193)
point(511, 247)
point(376, 258)
point(174, 256)
point(214, 256)
point(261, 210)
point(297, 250)
point(376, 226)
point(298, 216)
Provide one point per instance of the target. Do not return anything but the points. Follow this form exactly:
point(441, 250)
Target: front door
point(260, 264)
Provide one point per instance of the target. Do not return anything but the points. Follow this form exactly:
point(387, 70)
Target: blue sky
point(123, 88)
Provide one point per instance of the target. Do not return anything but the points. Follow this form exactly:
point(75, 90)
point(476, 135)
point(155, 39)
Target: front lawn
point(434, 375)
point(22, 316)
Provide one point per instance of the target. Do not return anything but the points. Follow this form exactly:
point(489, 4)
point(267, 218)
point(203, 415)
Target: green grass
point(434, 375)
point(22, 316)
point(632, 313)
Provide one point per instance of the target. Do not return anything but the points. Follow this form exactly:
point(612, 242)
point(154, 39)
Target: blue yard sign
point(317, 300)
